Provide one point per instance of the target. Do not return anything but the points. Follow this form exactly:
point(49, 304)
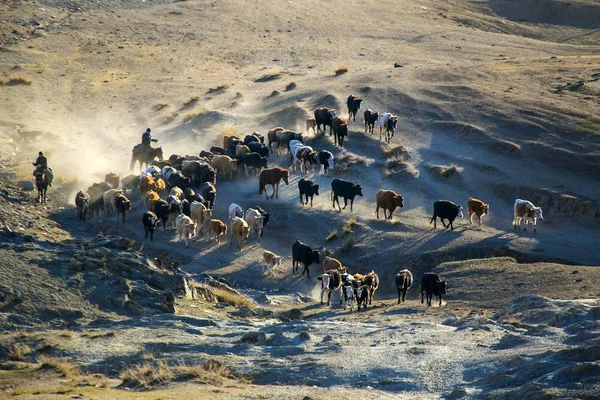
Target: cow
point(478, 208)
point(216, 150)
point(324, 116)
point(272, 176)
point(330, 263)
point(235, 211)
point(147, 182)
point(362, 294)
point(388, 123)
point(254, 161)
point(112, 179)
point(272, 136)
point(353, 103)
point(388, 200)
point(241, 150)
point(304, 156)
point(284, 138)
point(345, 189)
point(260, 137)
point(348, 288)
point(524, 209)
point(122, 205)
point(270, 261)
point(371, 117)
point(189, 195)
point(240, 230)
point(266, 218)
point(166, 173)
point(309, 189)
point(251, 139)
point(330, 282)
point(404, 281)
point(225, 165)
point(128, 182)
point(444, 209)
point(185, 228)
point(180, 180)
point(109, 200)
point(162, 209)
point(218, 227)
point(149, 220)
point(198, 171)
point(176, 161)
point(161, 164)
point(82, 202)
point(311, 123)
point(305, 255)
point(200, 214)
point(432, 286)
point(208, 191)
point(176, 192)
point(259, 148)
point(235, 143)
point(372, 279)
point(325, 162)
point(206, 154)
point(150, 198)
point(255, 221)
point(340, 130)
point(228, 140)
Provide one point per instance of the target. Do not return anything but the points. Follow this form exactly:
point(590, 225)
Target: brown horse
point(41, 182)
point(145, 155)
point(272, 176)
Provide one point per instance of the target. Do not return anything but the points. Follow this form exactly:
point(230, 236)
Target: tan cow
point(147, 183)
point(240, 230)
point(330, 263)
point(241, 150)
point(200, 215)
point(477, 207)
point(150, 199)
point(270, 261)
point(388, 200)
point(225, 165)
point(218, 227)
point(227, 141)
point(109, 199)
point(185, 228)
point(176, 192)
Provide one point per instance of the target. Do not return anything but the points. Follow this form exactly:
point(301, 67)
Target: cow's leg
point(322, 292)
point(470, 218)
point(351, 203)
point(377, 211)
point(479, 218)
point(399, 294)
point(421, 295)
point(440, 300)
point(345, 202)
point(534, 223)
point(329, 298)
point(311, 200)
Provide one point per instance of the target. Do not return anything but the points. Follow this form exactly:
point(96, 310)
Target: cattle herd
point(182, 192)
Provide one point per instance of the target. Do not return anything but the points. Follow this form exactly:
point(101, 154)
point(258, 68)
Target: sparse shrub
point(233, 299)
point(66, 368)
point(274, 93)
point(147, 374)
point(340, 70)
point(94, 380)
point(191, 102)
point(219, 89)
point(66, 334)
point(18, 351)
point(290, 86)
point(348, 244)
point(19, 80)
point(332, 235)
point(347, 228)
point(160, 106)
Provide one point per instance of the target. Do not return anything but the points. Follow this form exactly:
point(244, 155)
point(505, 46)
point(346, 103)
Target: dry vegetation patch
point(341, 69)
point(233, 299)
point(18, 80)
point(64, 367)
point(332, 235)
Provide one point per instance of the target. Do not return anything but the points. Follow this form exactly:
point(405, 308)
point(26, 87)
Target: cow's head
point(358, 190)
point(285, 176)
point(331, 114)
point(459, 212)
point(538, 213)
point(357, 101)
point(314, 256)
point(399, 201)
point(393, 122)
point(441, 287)
point(485, 209)
point(315, 187)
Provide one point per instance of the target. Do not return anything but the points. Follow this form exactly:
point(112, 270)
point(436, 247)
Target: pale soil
point(507, 95)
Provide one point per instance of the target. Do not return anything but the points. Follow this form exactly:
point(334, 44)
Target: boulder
point(27, 185)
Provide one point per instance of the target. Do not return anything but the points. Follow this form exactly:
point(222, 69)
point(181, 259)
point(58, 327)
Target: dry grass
point(191, 102)
point(66, 334)
point(17, 80)
point(341, 69)
point(18, 351)
point(66, 368)
point(219, 89)
point(212, 372)
point(348, 244)
point(290, 86)
point(233, 299)
point(191, 115)
point(160, 106)
point(94, 380)
point(99, 335)
point(230, 130)
point(347, 228)
point(147, 374)
point(332, 235)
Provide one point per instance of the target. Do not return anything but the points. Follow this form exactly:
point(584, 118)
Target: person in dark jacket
point(41, 164)
point(147, 137)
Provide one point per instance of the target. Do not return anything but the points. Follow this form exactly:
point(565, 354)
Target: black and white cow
point(330, 282)
point(371, 117)
point(325, 161)
point(362, 294)
point(346, 190)
point(404, 281)
point(149, 220)
point(348, 288)
point(305, 255)
point(308, 189)
point(444, 209)
point(266, 218)
point(432, 286)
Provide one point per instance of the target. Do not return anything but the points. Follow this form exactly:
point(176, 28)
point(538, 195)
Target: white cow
point(235, 211)
point(185, 228)
point(109, 199)
point(524, 209)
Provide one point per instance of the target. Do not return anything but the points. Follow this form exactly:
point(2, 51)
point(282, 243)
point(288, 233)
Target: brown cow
point(477, 207)
point(218, 227)
point(150, 199)
point(330, 263)
point(272, 136)
point(147, 183)
point(388, 200)
point(227, 141)
point(272, 176)
point(113, 179)
point(311, 123)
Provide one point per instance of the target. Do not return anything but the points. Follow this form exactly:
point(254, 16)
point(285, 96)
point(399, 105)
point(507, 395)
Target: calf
point(162, 210)
point(388, 200)
point(109, 199)
point(444, 209)
point(82, 202)
point(477, 207)
point(348, 291)
point(235, 211)
point(353, 104)
point(404, 281)
point(340, 130)
point(122, 205)
point(372, 279)
point(309, 189)
point(330, 282)
point(345, 189)
point(362, 294)
point(149, 220)
point(255, 221)
point(524, 209)
point(185, 228)
point(305, 255)
point(432, 286)
point(387, 123)
point(218, 227)
point(370, 117)
point(200, 214)
point(311, 123)
point(270, 261)
point(330, 263)
point(325, 161)
point(240, 230)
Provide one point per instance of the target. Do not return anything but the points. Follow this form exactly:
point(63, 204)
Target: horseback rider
point(41, 164)
point(147, 138)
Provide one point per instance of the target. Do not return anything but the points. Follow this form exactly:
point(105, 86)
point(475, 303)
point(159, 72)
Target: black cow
point(233, 144)
point(250, 139)
point(162, 210)
point(309, 189)
point(209, 192)
point(431, 285)
point(444, 209)
point(179, 180)
point(207, 154)
point(82, 202)
point(256, 147)
point(185, 207)
point(266, 217)
point(324, 116)
point(345, 189)
point(218, 150)
point(353, 104)
point(149, 220)
point(404, 281)
point(176, 161)
point(370, 117)
point(304, 254)
point(254, 160)
point(326, 161)
point(362, 294)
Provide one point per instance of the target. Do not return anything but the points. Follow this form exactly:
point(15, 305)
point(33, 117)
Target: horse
point(145, 155)
point(41, 182)
point(272, 176)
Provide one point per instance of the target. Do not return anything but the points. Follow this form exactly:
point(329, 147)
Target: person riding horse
point(41, 164)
